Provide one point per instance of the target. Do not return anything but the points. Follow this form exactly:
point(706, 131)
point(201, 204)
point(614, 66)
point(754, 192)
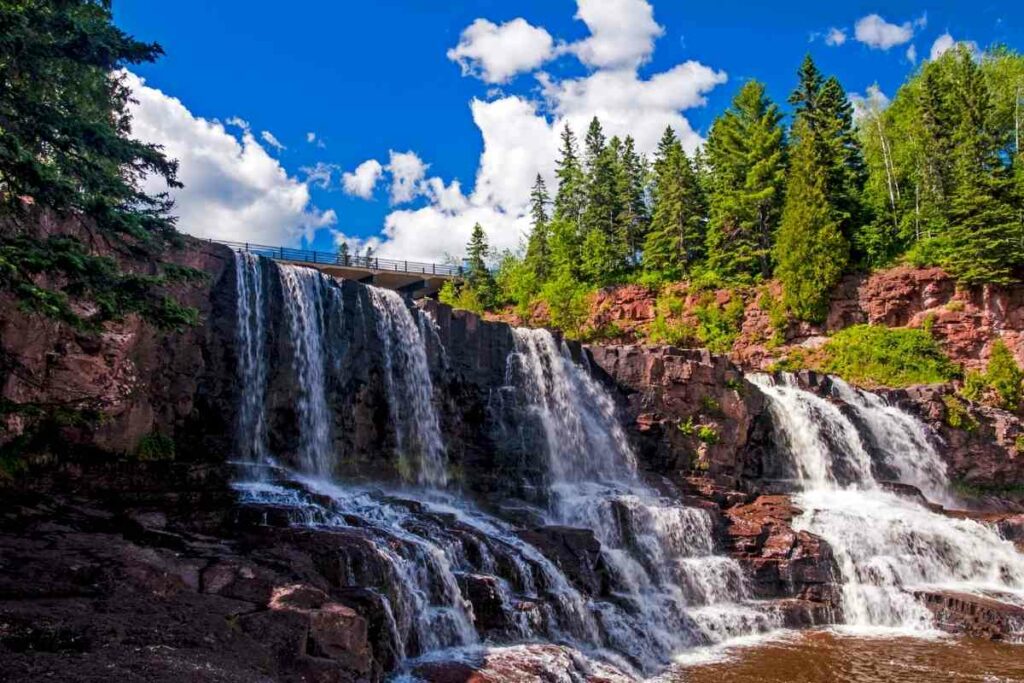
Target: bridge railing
point(326, 258)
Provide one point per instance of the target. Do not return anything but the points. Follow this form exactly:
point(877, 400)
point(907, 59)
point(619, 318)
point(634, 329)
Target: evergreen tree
point(984, 226)
point(343, 254)
point(538, 254)
point(604, 243)
point(821, 104)
point(746, 155)
point(66, 146)
point(631, 187)
point(571, 195)
point(478, 277)
point(811, 251)
point(675, 242)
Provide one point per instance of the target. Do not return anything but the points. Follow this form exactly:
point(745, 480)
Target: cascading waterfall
point(428, 556)
point(252, 365)
point(410, 389)
point(887, 546)
point(306, 299)
point(673, 592)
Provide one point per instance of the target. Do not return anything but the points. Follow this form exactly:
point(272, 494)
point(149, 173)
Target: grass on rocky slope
point(873, 355)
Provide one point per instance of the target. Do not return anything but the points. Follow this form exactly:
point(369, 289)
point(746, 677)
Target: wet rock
point(671, 394)
point(975, 616)
point(576, 552)
point(782, 562)
point(520, 664)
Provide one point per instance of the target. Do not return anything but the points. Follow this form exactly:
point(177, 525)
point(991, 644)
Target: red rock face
point(141, 379)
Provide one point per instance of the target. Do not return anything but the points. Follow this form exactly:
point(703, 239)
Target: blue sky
point(371, 78)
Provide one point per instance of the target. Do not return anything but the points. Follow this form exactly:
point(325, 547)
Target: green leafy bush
point(881, 356)
point(688, 428)
point(718, 326)
point(1003, 380)
point(154, 447)
point(708, 434)
point(673, 333)
point(957, 415)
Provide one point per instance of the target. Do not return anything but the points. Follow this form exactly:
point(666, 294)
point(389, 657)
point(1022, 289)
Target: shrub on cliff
point(874, 355)
point(1002, 381)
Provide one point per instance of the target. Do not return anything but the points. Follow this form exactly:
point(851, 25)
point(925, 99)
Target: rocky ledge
point(975, 616)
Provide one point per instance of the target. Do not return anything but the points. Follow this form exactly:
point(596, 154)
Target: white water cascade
point(672, 590)
point(410, 389)
point(252, 365)
point(887, 546)
point(306, 299)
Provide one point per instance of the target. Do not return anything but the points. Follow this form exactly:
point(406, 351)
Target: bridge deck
point(413, 277)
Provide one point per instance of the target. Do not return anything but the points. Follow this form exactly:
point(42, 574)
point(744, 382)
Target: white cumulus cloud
point(234, 189)
point(622, 33)
point(945, 43)
point(872, 102)
point(407, 173)
point(363, 181)
point(877, 33)
point(835, 37)
point(521, 135)
point(912, 54)
point(269, 138)
point(497, 53)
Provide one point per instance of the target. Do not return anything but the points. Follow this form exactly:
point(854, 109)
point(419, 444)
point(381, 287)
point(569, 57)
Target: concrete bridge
point(408, 277)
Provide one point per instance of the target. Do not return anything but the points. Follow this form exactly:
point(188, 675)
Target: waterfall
point(886, 546)
point(421, 449)
point(252, 363)
point(672, 590)
point(306, 293)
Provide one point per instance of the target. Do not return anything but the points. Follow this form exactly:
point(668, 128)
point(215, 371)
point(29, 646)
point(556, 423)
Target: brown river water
point(828, 657)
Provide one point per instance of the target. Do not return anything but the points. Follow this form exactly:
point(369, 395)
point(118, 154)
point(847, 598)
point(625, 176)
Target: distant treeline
point(935, 178)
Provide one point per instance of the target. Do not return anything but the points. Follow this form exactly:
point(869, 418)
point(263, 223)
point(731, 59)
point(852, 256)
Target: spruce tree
point(570, 198)
point(983, 221)
point(631, 187)
point(604, 244)
point(478, 277)
point(675, 243)
point(746, 155)
point(537, 248)
point(811, 251)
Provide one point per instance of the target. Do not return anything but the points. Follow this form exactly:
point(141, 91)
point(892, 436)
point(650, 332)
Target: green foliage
point(957, 415)
point(875, 355)
point(746, 155)
point(778, 316)
point(66, 144)
point(688, 428)
point(811, 251)
point(567, 301)
point(1003, 379)
point(1018, 444)
point(718, 326)
point(518, 283)
point(675, 243)
point(99, 279)
point(708, 434)
point(710, 405)
point(460, 295)
point(155, 447)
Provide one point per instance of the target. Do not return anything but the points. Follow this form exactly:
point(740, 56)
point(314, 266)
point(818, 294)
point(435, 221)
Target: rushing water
point(252, 364)
point(307, 298)
point(664, 589)
point(887, 546)
point(679, 592)
point(410, 389)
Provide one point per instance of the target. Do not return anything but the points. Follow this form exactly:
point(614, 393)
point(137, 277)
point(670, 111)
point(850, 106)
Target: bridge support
point(410, 289)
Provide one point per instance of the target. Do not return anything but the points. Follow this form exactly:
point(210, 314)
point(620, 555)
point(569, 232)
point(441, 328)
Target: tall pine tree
point(746, 155)
point(538, 254)
point(811, 251)
point(675, 243)
point(478, 276)
point(984, 224)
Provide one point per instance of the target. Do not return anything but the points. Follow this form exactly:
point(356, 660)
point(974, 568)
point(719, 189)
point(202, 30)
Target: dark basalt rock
point(576, 552)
